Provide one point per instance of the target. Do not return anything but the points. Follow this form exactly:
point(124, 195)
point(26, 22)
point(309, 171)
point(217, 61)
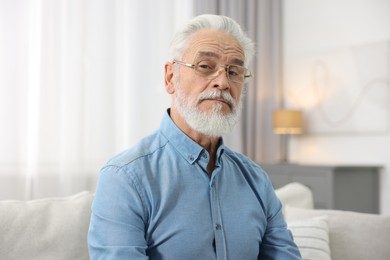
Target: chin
point(220, 109)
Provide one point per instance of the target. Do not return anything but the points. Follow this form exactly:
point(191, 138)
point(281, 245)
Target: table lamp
point(287, 122)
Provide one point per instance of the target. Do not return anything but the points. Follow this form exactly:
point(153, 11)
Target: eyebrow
point(235, 61)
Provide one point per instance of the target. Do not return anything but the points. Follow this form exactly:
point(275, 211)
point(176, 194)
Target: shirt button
point(191, 157)
point(218, 227)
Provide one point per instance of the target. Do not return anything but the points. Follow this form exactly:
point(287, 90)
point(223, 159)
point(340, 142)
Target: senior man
point(180, 193)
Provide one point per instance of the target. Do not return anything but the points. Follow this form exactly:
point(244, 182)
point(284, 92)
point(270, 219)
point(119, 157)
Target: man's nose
point(221, 79)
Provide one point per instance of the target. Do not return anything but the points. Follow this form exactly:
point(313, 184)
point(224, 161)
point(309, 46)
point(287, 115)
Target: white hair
point(213, 22)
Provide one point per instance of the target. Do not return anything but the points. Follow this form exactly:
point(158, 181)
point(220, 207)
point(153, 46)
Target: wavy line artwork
point(342, 91)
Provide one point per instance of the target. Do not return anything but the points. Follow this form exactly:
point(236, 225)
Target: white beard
point(212, 123)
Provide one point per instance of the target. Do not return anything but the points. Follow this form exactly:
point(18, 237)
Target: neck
point(209, 143)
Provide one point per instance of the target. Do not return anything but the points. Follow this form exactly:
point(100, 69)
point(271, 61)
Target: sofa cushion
point(312, 237)
point(52, 228)
point(352, 235)
point(295, 194)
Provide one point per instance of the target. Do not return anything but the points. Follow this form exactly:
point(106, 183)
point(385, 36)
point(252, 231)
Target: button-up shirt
point(157, 201)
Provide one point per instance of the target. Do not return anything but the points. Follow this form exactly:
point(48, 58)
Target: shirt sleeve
point(278, 242)
point(117, 226)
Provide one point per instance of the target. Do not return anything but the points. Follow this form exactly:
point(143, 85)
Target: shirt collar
point(220, 150)
point(188, 148)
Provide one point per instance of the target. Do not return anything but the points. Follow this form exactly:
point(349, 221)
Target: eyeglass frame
point(226, 68)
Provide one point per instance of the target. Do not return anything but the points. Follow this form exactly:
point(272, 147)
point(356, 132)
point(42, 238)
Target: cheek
point(236, 94)
point(185, 91)
point(192, 87)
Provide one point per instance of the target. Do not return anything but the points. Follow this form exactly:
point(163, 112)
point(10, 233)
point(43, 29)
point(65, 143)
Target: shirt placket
point(219, 234)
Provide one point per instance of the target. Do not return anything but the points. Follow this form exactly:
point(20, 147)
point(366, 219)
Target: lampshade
point(287, 121)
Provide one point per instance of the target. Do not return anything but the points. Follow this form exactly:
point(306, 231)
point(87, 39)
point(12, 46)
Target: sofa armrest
point(295, 194)
point(352, 235)
point(52, 228)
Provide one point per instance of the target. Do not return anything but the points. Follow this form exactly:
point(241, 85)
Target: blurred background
point(82, 80)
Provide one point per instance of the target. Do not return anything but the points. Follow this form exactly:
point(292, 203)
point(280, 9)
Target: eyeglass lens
point(211, 69)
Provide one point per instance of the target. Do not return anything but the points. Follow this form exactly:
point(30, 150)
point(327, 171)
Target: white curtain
point(262, 21)
point(80, 80)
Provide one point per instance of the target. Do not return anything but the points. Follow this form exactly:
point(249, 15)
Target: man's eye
point(206, 66)
point(233, 73)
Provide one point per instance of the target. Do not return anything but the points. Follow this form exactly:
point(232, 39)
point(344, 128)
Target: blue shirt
point(157, 201)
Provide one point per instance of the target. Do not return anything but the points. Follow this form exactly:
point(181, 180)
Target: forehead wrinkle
point(215, 44)
point(208, 54)
point(234, 60)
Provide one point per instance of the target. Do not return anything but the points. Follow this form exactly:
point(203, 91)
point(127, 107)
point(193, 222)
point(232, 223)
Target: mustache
point(217, 94)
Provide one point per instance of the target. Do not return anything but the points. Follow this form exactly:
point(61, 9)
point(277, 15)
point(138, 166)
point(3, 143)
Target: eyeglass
point(211, 70)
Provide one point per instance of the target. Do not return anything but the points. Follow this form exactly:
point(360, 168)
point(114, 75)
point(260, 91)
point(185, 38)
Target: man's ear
point(169, 84)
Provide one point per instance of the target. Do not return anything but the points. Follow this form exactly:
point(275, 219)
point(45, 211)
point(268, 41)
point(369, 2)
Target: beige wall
point(323, 27)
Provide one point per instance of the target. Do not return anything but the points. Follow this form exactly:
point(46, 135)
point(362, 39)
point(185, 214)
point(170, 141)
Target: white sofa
point(45, 229)
point(56, 228)
point(333, 234)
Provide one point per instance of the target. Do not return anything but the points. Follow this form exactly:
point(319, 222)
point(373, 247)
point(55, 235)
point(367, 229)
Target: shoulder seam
point(120, 166)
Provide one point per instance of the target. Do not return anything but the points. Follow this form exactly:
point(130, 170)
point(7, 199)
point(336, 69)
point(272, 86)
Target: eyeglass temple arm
point(183, 63)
